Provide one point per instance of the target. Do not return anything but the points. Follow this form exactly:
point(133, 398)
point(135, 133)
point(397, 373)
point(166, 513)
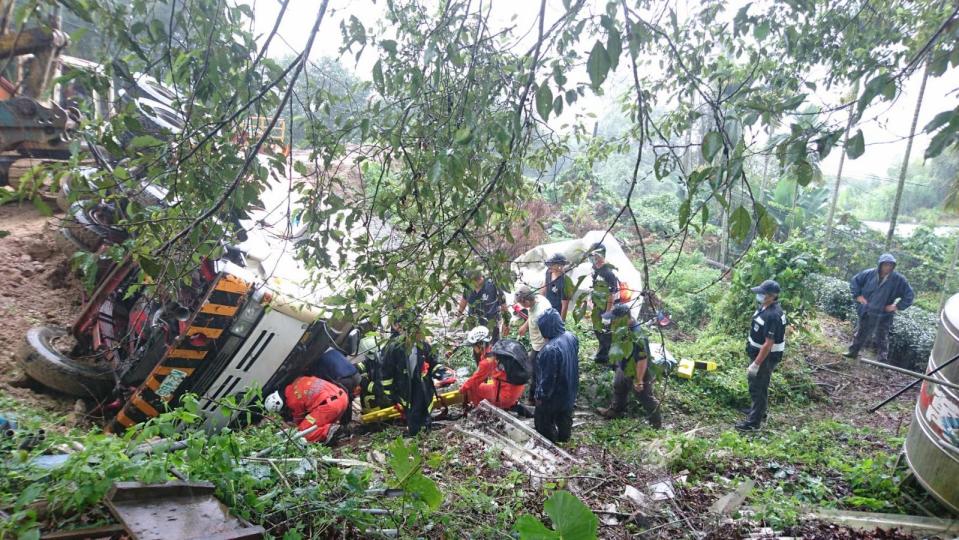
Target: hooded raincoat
point(881, 292)
point(557, 364)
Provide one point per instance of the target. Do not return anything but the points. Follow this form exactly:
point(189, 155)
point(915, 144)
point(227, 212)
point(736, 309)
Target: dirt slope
point(36, 288)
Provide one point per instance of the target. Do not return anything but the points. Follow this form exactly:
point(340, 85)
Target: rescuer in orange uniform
point(313, 401)
point(500, 378)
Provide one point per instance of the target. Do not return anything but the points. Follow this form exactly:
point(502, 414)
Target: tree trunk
point(842, 160)
point(905, 160)
point(948, 280)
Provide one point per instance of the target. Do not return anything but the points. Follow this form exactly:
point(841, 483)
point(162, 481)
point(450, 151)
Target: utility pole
point(905, 160)
point(842, 160)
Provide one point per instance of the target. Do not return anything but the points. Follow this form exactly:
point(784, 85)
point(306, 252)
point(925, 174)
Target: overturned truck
point(229, 331)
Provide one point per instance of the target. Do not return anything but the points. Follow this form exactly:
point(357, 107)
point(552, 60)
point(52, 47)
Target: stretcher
point(385, 414)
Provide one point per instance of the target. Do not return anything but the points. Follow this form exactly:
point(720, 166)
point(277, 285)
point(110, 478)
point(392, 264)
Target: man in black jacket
point(764, 346)
point(408, 361)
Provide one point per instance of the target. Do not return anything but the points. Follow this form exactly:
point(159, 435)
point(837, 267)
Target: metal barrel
point(932, 445)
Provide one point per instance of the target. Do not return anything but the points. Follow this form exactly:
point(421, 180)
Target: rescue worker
point(880, 293)
point(535, 305)
point(765, 346)
point(408, 362)
point(558, 379)
point(490, 380)
point(558, 287)
point(333, 366)
point(479, 340)
point(632, 371)
point(605, 295)
point(486, 304)
point(312, 401)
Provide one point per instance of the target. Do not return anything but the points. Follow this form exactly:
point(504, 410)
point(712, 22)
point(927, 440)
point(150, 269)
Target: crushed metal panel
point(517, 441)
point(175, 511)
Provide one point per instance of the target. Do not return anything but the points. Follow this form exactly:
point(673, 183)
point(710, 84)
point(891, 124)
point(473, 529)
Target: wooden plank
point(106, 531)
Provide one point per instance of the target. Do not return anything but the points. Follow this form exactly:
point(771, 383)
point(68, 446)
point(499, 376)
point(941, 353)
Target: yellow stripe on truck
point(219, 309)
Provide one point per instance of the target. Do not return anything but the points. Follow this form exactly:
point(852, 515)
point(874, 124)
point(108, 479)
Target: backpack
point(515, 361)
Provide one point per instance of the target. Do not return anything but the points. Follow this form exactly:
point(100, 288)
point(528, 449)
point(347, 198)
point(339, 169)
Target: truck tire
point(63, 196)
point(42, 362)
point(83, 237)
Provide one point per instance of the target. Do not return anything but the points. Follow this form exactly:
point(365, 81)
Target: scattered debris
point(869, 521)
point(517, 441)
point(764, 532)
point(608, 515)
point(176, 510)
point(730, 502)
point(662, 490)
point(636, 496)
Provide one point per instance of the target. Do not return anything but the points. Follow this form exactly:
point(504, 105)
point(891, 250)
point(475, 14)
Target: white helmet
point(478, 334)
point(273, 402)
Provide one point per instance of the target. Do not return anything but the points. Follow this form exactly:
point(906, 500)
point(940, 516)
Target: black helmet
point(511, 348)
point(598, 247)
point(558, 258)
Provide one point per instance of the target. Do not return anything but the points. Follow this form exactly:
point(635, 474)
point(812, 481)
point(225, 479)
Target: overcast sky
point(885, 126)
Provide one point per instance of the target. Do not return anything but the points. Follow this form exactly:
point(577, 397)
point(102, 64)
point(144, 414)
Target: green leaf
point(558, 105)
point(425, 489)
point(665, 163)
point(761, 30)
point(855, 146)
point(734, 130)
point(572, 519)
point(614, 47)
point(597, 65)
point(145, 141)
point(804, 172)
point(463, 135)
point(378, 76)
point(530, 528)
point(712, 143)
point(4, 234)
point(740, 223)
point(941, 119)
point(544, 101)
point(684, 213)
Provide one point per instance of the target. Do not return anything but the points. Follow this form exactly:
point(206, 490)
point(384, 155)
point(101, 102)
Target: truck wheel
point(42, 362)
point(63, 196)
point(82, 237)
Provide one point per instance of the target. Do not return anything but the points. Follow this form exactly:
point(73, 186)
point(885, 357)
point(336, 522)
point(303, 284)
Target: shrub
point(789, 263)
point(681, 292)
point(913, 333)
point(833, 296)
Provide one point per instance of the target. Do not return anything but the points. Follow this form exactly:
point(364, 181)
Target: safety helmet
point(478, 334)
point(273, 402)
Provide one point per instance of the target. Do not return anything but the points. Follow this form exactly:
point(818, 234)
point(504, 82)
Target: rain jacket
point(332, 366)
point(557, 364)
point(878, 293)
point(499, 392)
point(410, 369)
point(313, 401)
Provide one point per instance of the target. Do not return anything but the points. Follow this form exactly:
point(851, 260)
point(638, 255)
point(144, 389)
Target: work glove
point(753, 370)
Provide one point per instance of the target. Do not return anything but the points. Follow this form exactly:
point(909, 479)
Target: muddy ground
point(37, 288)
